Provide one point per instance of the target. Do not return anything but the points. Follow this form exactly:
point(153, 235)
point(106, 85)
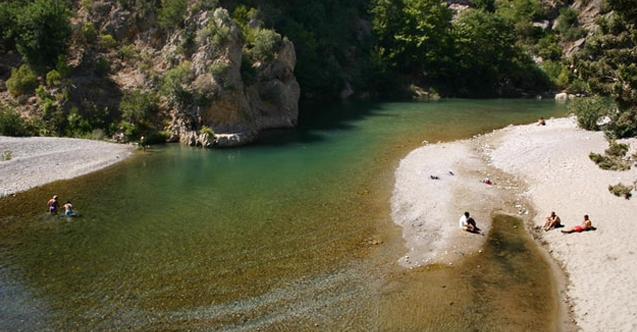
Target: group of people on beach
point(467, 223)
point(554, 221)
point(53, 206)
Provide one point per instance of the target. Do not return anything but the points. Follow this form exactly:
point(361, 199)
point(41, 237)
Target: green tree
point(43, 28)
point(413, 35)
point(172, 13)
point(609, 64)
point(484, 51)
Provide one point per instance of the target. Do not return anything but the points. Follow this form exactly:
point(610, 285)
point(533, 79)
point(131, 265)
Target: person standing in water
point(68, 208)
point(53, 205)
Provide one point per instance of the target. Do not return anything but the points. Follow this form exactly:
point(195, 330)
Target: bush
point(172, 13)
point(42, 30)
point(589, 111)
point(53, 78)
point(107, 41)
point(621, 190)
point(614, 157)
point(137, 107)
point(23, 80)
point(89, 33)
point(12, 124)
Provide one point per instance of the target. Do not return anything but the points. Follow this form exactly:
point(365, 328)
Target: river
point(291, 234)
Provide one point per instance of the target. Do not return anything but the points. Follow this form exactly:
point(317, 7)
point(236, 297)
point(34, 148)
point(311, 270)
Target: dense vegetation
point(354, 48)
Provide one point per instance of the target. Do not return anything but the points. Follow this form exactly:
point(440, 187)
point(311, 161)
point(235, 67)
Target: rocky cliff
point(201, 79)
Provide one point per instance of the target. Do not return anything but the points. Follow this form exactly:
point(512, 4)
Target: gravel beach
point(34, 161)
point(535, 170)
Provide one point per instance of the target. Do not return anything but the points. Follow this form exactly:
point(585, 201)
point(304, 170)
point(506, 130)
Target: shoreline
point(535, 170)
point(35, 161)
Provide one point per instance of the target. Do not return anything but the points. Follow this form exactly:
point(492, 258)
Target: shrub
point(53, 78)
point(207, 130)
point(102, 66)
point(613, 159)
point(621, 190)
point(266, 43)
point(127, 52)
point(107, 41)
point(23, 80)
point(172, 13)
point(12, 124)
point(42, 29)
point(589, 111)
point(137, 106)
point(89, 33)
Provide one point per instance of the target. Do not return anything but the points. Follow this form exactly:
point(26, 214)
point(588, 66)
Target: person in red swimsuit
point(586, 225)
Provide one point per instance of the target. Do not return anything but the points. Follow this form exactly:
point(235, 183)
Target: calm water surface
point(291, 234)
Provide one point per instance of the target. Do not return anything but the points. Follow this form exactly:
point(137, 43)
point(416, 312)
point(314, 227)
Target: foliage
point(174, 83)
point(568, 24)
point(412, 34)
point(172, 13)
point(207, 130)
point(266, 43)
point(12, 124)
point(589, 111)
point(620, 190)
point(138, 106)
point(23, 80)
point(613, 158)
point(108, 42)
point(102, 66)
point(608, 64)
point(6, 155)
point(42, 30)
point(8, 21)
point(89, 33)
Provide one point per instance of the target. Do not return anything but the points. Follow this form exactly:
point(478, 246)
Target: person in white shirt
point(468, 224)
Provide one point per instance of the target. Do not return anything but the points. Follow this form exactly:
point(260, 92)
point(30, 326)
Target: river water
point(291, 234)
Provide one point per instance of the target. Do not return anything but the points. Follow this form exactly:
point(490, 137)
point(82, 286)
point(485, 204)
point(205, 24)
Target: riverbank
point(29, 162)
point(535, 170)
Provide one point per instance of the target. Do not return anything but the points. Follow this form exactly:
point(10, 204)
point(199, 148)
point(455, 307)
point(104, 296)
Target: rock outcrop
point(229, 109)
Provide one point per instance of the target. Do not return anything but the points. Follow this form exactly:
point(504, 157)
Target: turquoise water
point(289, 234)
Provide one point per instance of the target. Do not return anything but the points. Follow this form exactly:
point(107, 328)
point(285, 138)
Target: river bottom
point(507, 287)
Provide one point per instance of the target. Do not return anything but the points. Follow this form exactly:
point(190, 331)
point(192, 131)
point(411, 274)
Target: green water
point(291, 234)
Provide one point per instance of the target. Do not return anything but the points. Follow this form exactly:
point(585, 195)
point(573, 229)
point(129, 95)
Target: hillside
point(216, 73)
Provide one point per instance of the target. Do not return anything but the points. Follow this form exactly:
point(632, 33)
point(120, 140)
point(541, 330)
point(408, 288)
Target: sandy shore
point(35, 161)
point(535, 169)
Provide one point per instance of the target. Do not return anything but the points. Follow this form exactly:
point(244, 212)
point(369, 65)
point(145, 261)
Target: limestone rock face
point(233, 107)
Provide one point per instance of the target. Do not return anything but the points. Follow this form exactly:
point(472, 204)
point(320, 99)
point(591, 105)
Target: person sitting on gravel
point(586, 225)
point(468, 224)
point(552, 221)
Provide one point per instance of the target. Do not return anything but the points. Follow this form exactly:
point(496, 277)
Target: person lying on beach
point(467, 223)
point(587, 225)
point(552, 221)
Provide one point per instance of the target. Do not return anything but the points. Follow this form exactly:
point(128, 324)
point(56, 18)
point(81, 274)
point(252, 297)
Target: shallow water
point(293, 233)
